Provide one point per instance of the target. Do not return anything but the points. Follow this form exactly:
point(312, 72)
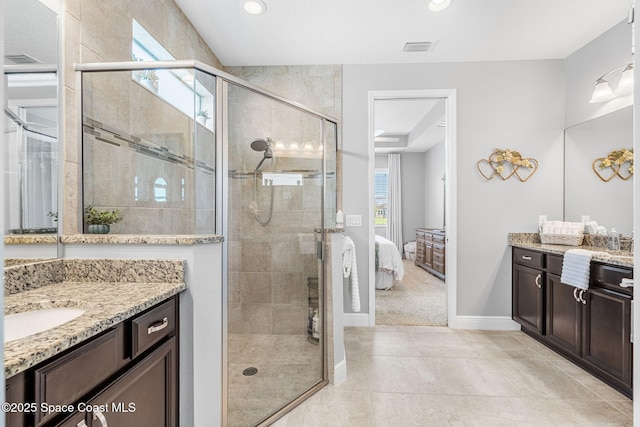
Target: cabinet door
point(606, 337)
point(428, 254)
point(143, 397)
point(528, 298)
point(563, 315)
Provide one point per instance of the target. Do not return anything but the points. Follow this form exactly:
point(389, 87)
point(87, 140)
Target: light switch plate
point(353, 221)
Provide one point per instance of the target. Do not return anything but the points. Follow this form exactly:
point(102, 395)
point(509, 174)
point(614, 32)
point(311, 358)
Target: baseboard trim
point(488, 323)
point(356, 319)
point(340, 372)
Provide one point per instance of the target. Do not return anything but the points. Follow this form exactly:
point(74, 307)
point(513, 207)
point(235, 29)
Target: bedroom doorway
point(410, 191)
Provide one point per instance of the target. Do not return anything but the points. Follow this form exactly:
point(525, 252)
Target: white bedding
point(389, 260)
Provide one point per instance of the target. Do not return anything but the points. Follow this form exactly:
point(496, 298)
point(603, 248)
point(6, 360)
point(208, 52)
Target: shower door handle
point(320, 249)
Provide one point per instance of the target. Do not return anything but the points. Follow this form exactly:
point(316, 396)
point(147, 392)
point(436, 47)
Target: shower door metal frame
point(222, 142)
point(222, 196)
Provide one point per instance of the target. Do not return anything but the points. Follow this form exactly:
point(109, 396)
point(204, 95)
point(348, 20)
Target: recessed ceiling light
point(438, 5)
point(254, 7)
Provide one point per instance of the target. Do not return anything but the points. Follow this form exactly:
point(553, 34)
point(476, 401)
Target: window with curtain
point(381, 196)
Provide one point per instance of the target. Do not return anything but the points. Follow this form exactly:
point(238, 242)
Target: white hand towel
point(576, 265)
point(350, 269)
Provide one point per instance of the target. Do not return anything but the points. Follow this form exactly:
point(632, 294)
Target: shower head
point(261, 144)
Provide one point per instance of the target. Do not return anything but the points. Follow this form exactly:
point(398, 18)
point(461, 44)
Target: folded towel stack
point(561, 227)
point(576, 266)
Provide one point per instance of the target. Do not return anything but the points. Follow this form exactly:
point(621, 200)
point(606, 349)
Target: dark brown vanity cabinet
point(430, 251)
point(528, 290)
point(126, 376)
point(590, 327)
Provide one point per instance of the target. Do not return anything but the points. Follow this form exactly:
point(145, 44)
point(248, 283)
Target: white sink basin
point(20, 325)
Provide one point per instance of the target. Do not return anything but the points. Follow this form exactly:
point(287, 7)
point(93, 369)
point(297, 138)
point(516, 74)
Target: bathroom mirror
point(609, 203)
point(31, 116)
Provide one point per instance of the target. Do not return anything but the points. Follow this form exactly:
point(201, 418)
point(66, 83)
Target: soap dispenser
point(613, 240)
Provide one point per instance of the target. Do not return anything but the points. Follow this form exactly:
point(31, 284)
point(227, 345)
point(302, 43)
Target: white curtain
point(394, 209)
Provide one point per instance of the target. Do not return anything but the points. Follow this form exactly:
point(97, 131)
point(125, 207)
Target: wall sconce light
point(307, 146)
point(294, 146)
point(603, 92)
point(279, 146)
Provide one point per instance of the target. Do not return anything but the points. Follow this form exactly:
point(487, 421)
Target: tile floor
point(402, 376)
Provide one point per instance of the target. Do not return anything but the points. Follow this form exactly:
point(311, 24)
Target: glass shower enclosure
point(259, 170)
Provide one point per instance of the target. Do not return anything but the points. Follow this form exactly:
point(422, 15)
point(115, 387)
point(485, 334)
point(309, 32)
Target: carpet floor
point(418, 300)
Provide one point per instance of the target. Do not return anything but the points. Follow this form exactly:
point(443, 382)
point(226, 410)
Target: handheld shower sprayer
point(261, 145)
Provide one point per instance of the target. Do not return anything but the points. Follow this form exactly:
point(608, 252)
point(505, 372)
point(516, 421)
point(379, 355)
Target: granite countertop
point(106, 304)
point(30, 239)
point(532, 241)
point(110, 291)
point(137, 239)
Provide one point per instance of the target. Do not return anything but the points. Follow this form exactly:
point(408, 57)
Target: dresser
point(430, 250)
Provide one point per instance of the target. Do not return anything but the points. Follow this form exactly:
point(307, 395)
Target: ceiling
point(304, 32)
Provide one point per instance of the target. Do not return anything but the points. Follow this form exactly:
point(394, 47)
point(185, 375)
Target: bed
point(388, 263)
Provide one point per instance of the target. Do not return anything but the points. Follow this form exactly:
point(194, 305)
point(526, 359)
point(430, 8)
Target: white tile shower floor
point(401, 376)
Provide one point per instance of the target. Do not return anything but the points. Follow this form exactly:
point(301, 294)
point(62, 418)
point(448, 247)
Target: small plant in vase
point(99, 222)
point(202, 117)
point(150, 79)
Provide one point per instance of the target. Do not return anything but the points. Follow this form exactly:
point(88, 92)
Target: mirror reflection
point(30, 149)
point(609, 203)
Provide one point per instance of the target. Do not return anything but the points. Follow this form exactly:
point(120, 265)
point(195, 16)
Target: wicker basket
point(561, 239)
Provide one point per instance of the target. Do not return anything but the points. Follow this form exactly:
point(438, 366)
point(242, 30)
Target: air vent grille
point(21, 59)
point(416, 46)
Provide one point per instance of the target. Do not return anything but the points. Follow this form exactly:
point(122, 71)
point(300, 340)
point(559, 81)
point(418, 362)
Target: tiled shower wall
point(98, 31)
point(273, 268)
point(132, 140)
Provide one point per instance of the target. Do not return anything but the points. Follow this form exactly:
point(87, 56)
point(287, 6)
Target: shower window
point(174, 86)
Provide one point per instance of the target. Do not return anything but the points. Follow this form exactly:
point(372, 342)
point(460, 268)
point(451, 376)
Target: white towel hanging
point(350, 269)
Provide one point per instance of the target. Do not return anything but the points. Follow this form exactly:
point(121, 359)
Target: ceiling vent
point(416, 46)
point(21, 59)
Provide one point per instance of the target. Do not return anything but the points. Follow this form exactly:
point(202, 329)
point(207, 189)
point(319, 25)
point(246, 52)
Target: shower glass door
point(274, 220)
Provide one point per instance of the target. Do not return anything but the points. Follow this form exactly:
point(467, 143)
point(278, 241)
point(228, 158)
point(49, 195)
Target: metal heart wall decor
point(617, 163)
point(507, 163)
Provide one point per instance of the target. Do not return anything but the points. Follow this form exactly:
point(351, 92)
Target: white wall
point(517, 105)
point(413, 194)
point(434, 168)
point(586, 65)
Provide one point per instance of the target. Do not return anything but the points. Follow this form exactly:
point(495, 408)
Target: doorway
point(430, 108)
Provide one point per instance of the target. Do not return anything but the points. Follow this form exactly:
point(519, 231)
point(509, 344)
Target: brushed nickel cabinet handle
point(99, 416)
point(81, 424)
point(582, 300)
point(575, 297)
point(526, 258)
point(538, 277)
point(158, 326)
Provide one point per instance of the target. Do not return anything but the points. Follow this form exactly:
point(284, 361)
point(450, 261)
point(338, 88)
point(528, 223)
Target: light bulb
point(294, 146)
point(279, 145)
point(307, 146)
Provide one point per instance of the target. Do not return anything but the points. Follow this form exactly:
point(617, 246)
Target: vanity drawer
point(438, 257)
point(439, 238)
point(152, 326)
point(554, 264)
point(609, 277)
point(66, 379)
point(529, 258)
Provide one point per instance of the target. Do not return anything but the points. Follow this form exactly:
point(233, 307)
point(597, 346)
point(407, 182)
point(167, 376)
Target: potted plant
point(99, 221)
point(137, 74)
point(202, 117)
point(150, 79)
